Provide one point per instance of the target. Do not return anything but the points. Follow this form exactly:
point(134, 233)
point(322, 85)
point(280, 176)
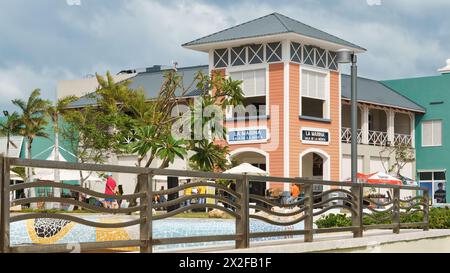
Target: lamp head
point(344, 56)
point(6, 113)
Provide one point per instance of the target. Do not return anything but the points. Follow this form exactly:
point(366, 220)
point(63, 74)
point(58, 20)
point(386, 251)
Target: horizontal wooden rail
point(75, 189)
point(75, 203)
point(343, 199)
point(275, 213)
point(78, 220)
point(195, 206)
point(380, 226)
point(272, 222)
point(70, 247)
point(277, 233)
point(184, 198)
point(275, 204)
point(196, 239)
point(197, 184)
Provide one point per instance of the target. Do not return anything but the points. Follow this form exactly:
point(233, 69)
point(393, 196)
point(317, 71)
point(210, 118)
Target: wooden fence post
point(4, 232)
point(309, 206)
point(396, 211)
point(145, 230)
point(243, 224)
point(426, 214)
point(357, 219)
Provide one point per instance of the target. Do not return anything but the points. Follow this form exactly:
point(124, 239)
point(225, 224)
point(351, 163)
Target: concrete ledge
point(373, 241)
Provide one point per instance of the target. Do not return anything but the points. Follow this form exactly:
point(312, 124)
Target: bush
point(334, 220)
point(439, 218)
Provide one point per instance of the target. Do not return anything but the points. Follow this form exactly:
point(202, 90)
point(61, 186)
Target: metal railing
point(346, 196)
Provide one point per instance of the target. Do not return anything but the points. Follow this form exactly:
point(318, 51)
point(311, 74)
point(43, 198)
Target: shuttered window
point(254, 82)
point(314, 84)
point(432, 133)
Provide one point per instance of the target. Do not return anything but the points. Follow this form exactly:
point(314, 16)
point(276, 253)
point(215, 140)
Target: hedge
point(439, 218)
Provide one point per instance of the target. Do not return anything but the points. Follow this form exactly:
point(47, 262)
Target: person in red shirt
point(110, 189)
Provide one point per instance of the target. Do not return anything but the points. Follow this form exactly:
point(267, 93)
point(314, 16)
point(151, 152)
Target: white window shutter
point(437, 133)
point(427, 129)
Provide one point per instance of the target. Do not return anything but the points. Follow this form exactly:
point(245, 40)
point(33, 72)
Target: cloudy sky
point(43, 41)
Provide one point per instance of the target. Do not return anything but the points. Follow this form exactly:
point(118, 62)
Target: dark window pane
point(296, 52)
point(426, 176)
point(221, 57)
point(255, 54)
point(312, 107)
point(308, 55)
point(320, 57)
point(238, 56)
point(439, 176)
point(273, 52)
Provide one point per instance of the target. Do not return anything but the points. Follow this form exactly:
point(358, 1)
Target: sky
point(44, 41)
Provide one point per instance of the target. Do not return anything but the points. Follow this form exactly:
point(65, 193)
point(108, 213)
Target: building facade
point(432, 130)
point(296, 116)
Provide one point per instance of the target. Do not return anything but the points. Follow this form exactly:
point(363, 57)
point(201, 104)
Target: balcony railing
point(378, 138)
point(403, 139)
point(375, 138)
point(346, 135)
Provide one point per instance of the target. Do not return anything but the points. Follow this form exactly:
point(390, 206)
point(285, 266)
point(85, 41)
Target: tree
point(32, 119)
point(402, 153)
point(10, 127)
point(86, 135)
point(54, 111)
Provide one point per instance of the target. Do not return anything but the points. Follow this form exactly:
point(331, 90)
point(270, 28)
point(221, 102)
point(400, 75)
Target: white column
point(390, 125)
point(365, 124)
point(412, 129)
point(286, 59)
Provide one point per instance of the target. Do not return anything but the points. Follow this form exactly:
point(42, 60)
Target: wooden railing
point(346, 196)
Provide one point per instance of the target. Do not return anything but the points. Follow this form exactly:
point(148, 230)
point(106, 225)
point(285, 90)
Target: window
point(314, 94)
point(432, 133)
point(436, 182)
point(221, 58)
point(254, 88)
point(254, 82)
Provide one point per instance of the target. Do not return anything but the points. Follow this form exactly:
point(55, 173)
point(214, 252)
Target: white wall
point(346, 168)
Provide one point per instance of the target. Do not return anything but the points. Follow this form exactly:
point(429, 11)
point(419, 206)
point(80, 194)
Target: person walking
point(111, 189)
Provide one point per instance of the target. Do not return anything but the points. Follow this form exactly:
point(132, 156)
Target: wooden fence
point(239, 202)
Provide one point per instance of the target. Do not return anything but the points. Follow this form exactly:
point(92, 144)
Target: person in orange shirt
point(295, 192)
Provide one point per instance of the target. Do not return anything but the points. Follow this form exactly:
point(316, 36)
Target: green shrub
point(334, 220)
point(439, 218)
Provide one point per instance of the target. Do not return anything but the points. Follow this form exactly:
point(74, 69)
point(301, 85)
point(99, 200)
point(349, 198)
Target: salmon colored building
point(290, 75)
point(296, 116)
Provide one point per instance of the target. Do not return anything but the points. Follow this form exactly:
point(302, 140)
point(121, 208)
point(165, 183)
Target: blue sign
point(247, 135)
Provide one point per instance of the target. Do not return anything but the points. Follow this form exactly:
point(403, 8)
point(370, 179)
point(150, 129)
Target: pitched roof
point(271, 24)
point(375, 92)
point(369, 91)
point(151, 83)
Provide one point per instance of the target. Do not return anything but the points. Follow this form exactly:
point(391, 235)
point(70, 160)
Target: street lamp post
point(346, 56)
point(6, 113)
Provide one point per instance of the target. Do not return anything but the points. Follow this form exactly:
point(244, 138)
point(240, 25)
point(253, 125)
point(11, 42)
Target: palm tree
point(209, 157)
point(10, 127)
point(32, 119)
point(54, 111)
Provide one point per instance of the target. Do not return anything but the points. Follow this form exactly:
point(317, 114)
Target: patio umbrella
point(382, 178)
point(246, 168)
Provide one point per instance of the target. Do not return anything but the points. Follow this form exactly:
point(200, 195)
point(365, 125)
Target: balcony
point(379, 126)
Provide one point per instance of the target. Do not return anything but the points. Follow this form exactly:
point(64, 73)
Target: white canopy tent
point(64, 175)
point(246, 168)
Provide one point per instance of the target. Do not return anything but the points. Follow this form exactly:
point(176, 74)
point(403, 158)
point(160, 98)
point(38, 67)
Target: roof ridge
point(316, 29)
point(238, 25)
point(279, 19)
